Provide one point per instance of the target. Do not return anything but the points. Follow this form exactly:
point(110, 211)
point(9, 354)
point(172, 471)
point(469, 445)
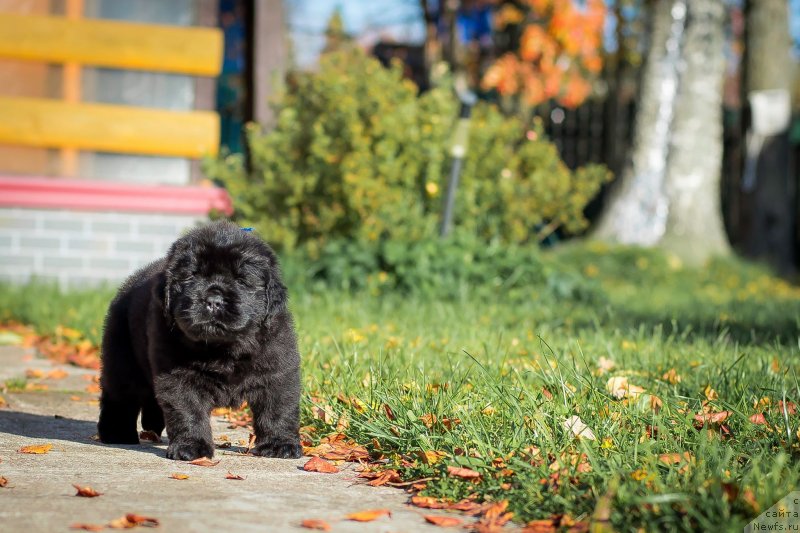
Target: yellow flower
point(431, 188)
point(353, 335)
point(628, 345)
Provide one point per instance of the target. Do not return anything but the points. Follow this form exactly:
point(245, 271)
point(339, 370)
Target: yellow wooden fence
point(70, 124)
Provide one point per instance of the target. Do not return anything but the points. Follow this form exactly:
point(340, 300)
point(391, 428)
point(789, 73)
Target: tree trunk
point(669, 194)
point(695, 230)
point(769, 186)
point(269, 56)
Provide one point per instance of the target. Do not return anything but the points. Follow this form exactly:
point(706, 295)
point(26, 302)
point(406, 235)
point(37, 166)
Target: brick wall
point(80, 248)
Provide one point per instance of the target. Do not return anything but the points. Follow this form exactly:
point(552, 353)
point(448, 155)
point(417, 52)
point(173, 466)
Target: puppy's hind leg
point(120, 383)
point(152, 416)
point(117, 424)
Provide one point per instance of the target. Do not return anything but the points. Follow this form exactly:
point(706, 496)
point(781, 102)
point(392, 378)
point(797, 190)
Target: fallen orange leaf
point(387, 476)
point(177, 475)
point(3, 482)
point(318, 464)
point(203, 461)
point(234, 476)
point(540, 526)
point(58, 373)
point(149, 436)
point(36, 449)
point(86, 492)
point(369, 516)
point(131, 520)
point(711, 418)
point(93, 388)
point(443, 521)
point(34, 373)
point(429, 502)
point(88, 527)
point(462, 472)
point(315, 523)
point(675, 458)
point(758, 418)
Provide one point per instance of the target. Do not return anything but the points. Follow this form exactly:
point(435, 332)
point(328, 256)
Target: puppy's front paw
point(189, 449)
point(281, 449)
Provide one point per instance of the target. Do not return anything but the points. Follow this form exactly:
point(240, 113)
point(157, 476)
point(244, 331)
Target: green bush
point(357, 154)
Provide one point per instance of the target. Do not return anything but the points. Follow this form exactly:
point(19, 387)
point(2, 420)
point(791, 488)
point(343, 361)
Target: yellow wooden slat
point(107, 128)
point(107, 43)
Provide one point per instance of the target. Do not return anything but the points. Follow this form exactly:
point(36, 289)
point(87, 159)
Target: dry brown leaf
point(428, 420)
point(675, 458)
point(177, 475)
point(462, 472)
point(149, 436)
point(443, 521)
point(3, 482)
point(430, 457)
point(37, 449)
point(789, 407)
point(389, 413)
point(672, 377)
point(541, 526)
point(132, 520)
point(318, 464)
point(369, 515)
point(234, 476)
point(547, 394)
point(429, 502)
point(34, 373)
point(710, 393)
point(88, 527)
point(711, 418)
point(387, 476)
point(86, 492)
point(204, 461)
point(758, 418)
point(497, 513)
point(315, 523)
point(57, 373)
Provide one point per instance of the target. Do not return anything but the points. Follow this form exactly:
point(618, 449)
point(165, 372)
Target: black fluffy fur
point(206, 326)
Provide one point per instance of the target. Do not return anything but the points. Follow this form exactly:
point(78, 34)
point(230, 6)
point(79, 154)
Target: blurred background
point(116, 97)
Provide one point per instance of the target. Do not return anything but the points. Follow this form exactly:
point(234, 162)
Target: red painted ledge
point(93, 195)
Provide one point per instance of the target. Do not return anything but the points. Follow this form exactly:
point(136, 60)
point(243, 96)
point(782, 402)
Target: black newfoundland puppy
point(206, 326)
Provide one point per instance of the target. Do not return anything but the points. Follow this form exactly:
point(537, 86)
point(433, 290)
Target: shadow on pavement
point(61, 428)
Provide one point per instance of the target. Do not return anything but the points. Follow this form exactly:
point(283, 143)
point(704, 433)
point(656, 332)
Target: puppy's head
point(221, 283)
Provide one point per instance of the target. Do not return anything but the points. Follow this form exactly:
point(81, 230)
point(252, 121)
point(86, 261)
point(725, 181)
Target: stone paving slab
point(275, 496)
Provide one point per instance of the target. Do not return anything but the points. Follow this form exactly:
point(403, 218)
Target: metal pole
point(458, 152)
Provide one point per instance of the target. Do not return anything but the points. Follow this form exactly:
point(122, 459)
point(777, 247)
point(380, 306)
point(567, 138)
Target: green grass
point(513, 370)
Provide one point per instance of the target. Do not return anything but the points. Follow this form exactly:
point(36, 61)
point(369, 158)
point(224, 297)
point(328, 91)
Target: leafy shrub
point(459, 267)
point(357, 154)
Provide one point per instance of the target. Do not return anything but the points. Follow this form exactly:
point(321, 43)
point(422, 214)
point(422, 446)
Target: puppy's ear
point(275, 292)
point(167, 281)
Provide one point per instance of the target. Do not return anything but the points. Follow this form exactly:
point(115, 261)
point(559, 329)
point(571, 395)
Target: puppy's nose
point(214, 303)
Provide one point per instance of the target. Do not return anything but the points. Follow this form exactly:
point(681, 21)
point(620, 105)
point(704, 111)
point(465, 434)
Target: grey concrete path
point(275, 496)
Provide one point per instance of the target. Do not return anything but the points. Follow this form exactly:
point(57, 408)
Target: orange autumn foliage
point(559, 52)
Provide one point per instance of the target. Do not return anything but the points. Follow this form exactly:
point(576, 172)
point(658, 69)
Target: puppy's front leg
point(186, 414)
point(276, 415)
